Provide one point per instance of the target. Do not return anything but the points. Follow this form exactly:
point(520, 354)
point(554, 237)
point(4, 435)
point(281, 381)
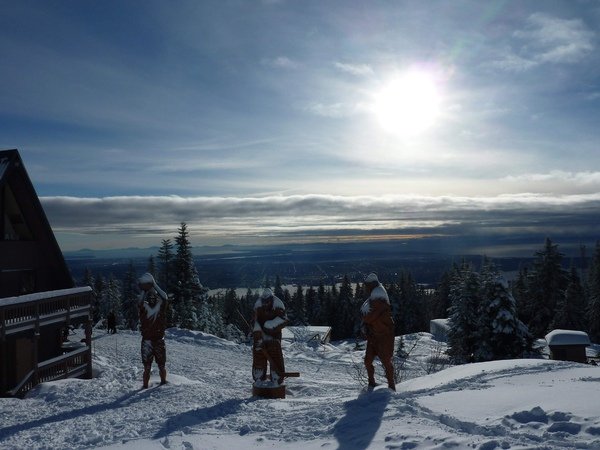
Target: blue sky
point(261, 121)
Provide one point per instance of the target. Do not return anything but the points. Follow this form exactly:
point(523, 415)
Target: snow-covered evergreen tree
point(464, 314)
point(501, 335)
point(187, 290)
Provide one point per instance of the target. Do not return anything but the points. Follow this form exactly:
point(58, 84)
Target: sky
point(511, 404)
point(294, 121)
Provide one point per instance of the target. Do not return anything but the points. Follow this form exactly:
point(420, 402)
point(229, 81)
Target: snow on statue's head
point(146, 281)
point(372, 278)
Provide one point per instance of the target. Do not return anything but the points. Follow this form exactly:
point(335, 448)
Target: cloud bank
point(305, 218)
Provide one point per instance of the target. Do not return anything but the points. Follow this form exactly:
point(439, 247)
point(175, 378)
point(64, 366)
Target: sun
point(408, 104)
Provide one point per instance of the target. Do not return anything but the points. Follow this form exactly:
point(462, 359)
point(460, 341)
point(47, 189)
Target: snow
point(207, 404)
point(567, 337)
point(9, 301)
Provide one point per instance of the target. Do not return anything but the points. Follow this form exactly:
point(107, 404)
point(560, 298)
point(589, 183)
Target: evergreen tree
point(298, 306)
point(501, 335)
point(570, 310)
point(165, 262)
point(151, 269)
point(99, 286)
point(321, 314)
point(464, 310)
point(111, 299)
point(278, 290)
point(347, 310)
point(207, 321)
point(88, 280)
point(130, 298)
point(312, 306)
point(230, 308)
point(441, 300)
point(546, 286)
point(188, 291)
point(593, 307)
point(520, 293)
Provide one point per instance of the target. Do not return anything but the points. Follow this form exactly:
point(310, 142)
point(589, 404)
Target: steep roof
point(27, 242)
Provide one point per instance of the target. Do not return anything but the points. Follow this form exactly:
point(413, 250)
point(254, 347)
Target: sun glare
point(408, 104)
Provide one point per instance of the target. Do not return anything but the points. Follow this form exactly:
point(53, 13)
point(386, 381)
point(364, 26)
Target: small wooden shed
point(568, 345)
point(439, 328)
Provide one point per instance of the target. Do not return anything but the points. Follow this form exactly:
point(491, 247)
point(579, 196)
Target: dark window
point(14, 227)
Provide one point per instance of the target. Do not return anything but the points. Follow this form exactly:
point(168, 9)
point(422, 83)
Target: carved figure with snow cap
point(269, 319)
point(378, 328)
point(153, 322)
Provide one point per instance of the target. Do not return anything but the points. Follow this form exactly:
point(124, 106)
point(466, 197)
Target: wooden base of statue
point(268, 389)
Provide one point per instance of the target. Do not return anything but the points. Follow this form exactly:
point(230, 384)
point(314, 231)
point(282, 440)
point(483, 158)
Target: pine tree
point(570, 310)
point(312, 306)
point(165, 262)
point(111, 299)
point(88, 280)
point(501, 335)
point(441, 300)
point(277, 289)
point(188, 291)
point(130, 298)
point(464, 310)
point(151, 269)
point(546, 286)
point(347, 310)
point(321, 314)
point(99, 286)
point(593, 307)
point(298, 306)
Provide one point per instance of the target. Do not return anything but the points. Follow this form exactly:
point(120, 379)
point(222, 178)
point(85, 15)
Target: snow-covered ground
point(516, 404)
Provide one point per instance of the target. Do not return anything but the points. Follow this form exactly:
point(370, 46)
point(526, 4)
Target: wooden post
point(88, 342)
point(3, 355)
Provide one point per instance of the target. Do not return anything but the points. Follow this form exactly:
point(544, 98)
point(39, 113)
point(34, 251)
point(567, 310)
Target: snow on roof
point(42, 295)
point(444, 323)
point(567, 337)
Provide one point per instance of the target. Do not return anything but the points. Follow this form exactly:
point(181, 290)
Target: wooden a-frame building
point(38, 300)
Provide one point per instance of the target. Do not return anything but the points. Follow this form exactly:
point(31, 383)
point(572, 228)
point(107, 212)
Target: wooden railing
point(31, 313)
point(72, 364)
point(25, 312)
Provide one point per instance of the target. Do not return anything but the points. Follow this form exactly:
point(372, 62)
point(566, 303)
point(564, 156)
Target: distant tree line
point(488, 318)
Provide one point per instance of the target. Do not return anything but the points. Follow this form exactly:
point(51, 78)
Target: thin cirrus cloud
point(546, 39)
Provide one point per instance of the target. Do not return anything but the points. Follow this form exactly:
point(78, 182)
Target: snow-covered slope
point(516, 404)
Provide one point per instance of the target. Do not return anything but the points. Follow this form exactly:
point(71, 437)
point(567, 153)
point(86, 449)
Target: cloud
point(318, 217)
point(546, 39)
point(281, 62)
point(355, 69)
point(576, 178)
point(333, 110)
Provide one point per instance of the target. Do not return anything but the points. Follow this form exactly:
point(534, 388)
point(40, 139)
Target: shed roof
point(567, 337)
